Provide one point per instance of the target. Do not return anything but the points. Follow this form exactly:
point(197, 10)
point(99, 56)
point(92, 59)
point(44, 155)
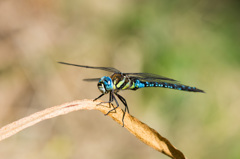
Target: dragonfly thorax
point(105, 84)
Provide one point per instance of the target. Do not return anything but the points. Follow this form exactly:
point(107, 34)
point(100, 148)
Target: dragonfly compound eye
point(105, 84)
point(101, 87)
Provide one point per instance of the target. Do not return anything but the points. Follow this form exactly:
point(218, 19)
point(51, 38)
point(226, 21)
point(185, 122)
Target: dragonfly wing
point(109, 69)
point(148, 76)
point(91, 79)
point(158, 80)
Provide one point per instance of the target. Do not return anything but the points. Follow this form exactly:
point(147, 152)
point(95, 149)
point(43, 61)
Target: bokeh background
point(196, 42)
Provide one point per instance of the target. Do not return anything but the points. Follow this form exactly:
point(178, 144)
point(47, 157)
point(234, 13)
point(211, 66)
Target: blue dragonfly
point(130, 81)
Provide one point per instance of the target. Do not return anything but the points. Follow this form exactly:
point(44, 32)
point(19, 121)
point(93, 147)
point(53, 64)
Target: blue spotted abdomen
point(139, 84)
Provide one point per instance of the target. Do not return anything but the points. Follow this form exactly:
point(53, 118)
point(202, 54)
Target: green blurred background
point(196, 42)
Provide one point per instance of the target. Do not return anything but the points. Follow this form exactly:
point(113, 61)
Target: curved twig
point(143, 132)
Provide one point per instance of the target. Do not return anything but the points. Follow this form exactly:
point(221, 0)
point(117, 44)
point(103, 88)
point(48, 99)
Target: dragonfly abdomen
point(140, 84)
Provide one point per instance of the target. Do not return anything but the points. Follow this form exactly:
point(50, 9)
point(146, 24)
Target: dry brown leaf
point(143, 132)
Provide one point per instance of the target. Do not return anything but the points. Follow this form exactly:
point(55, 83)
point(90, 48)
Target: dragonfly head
point(105, 84)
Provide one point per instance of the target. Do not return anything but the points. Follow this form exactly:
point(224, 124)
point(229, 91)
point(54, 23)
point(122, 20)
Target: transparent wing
point(157, 80)
point(109, 69)
point(149, 77)
point(144, 77)
point(91, 79)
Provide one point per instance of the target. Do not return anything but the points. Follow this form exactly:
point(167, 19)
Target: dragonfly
point(119, 81)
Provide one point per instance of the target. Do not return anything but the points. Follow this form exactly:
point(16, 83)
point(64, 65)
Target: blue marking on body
point(139, 84)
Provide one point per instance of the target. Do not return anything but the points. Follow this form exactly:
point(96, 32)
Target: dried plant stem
point(136, 127)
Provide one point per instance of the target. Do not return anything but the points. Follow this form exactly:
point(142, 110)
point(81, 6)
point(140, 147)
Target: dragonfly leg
point(123, 101)
point(110, 100)
point(98, 97)
point(126, 106)
point(113, 98)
